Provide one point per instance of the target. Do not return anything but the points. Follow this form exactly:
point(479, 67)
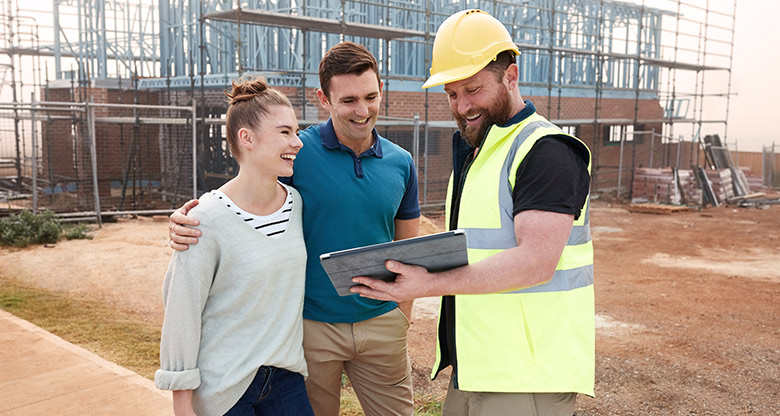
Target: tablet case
point(435, 252)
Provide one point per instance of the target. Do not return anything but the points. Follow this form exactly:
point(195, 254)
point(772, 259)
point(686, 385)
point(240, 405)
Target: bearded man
point(517, 323)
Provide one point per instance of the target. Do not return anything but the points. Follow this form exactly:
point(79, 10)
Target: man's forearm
point(541, 237)
point(509, 270)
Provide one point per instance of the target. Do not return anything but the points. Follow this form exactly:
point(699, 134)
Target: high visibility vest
point(534, 340)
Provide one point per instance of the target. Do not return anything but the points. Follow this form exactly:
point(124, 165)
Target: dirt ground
point(688, 304)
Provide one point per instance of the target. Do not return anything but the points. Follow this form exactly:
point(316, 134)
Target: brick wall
point(606, 155)
point(163, 153)
point(126, 154)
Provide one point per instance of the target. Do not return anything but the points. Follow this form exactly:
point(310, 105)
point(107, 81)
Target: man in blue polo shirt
point(358, 189)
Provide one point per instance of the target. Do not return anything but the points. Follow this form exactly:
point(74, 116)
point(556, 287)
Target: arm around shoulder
point(180, 227)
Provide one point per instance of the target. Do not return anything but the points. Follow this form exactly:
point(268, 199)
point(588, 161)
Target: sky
point(755, 75)
point(755, 83)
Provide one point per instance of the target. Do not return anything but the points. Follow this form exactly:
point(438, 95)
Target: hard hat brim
point(456, 74)
point(446, 77)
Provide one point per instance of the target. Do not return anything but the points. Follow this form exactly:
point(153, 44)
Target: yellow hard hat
point(465, 43)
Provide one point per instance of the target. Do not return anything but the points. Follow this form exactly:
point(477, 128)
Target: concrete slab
point(42, 374)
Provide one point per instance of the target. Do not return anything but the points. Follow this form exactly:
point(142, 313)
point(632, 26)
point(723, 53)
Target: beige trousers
point(467, 403)
point(373, 354)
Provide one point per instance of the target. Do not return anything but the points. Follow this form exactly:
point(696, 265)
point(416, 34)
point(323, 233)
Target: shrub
point(77, 232)
point(27, 228)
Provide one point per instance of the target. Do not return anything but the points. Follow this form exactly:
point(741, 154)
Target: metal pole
point(597, 128)
point(731, 64)
point(764, 155)
point(677, 159)
point(637, 81)
point(620, 162)
point(194, 151)
point(551, 44)
point(34, 154)
point(304, 56)
point(93, 156)
point(652, 145)
point(12, 67)
point(416, 141)
point(57, 47)
point(427, 120)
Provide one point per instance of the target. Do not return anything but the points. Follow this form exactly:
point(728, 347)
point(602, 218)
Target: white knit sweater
point(233, 302)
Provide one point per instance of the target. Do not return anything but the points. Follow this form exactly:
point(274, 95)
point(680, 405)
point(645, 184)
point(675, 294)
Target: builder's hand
point(412, 282)
point(180, 229)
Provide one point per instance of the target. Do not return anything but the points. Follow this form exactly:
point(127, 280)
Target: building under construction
point(112, 107)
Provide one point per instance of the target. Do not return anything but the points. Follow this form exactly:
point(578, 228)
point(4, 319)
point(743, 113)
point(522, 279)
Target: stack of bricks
point(657, 185)
point(754, 182)
point(721, 184)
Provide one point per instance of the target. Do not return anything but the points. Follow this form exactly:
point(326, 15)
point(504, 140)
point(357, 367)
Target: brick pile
point(657, 185)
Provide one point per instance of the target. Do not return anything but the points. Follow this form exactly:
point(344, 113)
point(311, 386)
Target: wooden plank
point(11, 208)
point(748, 196)
point(656, 208)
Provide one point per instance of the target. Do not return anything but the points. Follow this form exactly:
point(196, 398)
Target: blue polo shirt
point(349, 201)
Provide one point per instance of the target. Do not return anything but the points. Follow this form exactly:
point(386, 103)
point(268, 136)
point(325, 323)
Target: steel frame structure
point(562, 40)
point(571, 48)
point(111, 39)
point(169, 42)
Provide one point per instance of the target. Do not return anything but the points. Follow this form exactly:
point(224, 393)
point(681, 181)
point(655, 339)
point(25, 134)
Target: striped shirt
point(272, 225)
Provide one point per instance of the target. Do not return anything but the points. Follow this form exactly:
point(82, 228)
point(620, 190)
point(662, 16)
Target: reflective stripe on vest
point(504, 238)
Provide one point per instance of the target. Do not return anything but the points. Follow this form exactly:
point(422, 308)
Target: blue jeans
point(273, 391)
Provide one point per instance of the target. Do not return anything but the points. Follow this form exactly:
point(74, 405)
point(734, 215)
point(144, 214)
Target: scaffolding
point(676, 53)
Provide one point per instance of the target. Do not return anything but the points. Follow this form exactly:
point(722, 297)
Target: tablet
point(435, 252)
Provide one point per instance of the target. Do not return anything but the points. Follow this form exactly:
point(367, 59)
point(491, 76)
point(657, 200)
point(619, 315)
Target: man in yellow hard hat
point(517, 323)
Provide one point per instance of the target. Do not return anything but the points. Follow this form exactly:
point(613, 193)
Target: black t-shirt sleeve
point(553, 177)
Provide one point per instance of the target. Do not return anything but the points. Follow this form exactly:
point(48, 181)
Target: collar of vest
point(521, 115)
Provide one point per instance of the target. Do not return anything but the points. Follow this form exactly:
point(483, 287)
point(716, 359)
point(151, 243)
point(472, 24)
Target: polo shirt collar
point(329, 140)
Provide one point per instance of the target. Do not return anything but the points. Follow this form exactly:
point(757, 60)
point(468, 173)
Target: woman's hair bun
point(247, 88)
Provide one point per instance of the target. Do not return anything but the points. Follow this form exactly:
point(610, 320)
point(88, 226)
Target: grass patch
point(121, 337)
point(427, 406)
point(76, 231)
point(350, 405)
point(423, 405)
point(115, 336)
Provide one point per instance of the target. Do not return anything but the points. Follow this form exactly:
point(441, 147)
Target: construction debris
point(758, 203)
point(708, 195)
point(719, 158)
point(671, 186)
point(738, 199)
point(716, 183)
point(657, 208)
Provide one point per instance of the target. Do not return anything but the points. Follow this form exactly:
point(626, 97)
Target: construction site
point(115, 107)
point(112, 110)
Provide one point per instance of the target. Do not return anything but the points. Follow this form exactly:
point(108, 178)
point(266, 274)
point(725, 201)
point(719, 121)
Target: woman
point(232, 333)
